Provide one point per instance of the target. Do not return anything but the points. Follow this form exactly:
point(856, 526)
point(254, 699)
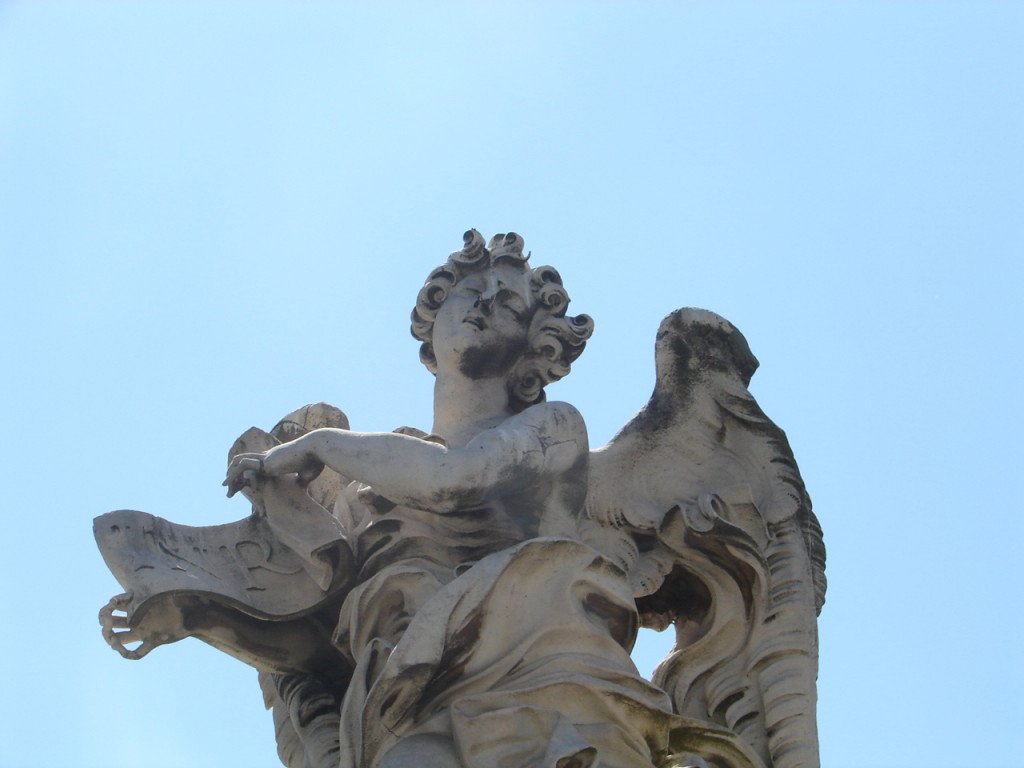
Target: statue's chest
point(442, 540)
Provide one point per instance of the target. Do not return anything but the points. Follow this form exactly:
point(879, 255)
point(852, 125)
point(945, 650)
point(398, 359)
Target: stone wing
point(700, 500)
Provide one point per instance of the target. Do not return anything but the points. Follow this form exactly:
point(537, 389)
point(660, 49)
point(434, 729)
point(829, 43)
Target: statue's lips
point(476, 322)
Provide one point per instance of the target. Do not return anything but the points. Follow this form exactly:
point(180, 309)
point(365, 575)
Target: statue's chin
point(490, 360)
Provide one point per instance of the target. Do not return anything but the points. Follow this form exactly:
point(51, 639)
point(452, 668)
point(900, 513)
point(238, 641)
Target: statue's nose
point(483, 303)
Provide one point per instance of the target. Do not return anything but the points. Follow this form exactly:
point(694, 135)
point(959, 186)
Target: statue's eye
point(512, 302)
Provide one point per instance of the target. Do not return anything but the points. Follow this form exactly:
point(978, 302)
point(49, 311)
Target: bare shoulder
point(556, 418)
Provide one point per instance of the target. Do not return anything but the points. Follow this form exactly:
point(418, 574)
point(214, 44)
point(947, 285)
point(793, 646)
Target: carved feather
point(726, 545)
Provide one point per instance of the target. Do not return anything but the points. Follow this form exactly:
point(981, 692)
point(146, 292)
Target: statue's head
point(486, 312)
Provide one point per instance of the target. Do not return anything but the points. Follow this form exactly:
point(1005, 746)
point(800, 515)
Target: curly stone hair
point(554, 339)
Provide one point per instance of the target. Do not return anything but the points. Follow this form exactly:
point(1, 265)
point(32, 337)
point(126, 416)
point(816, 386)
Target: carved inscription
point(241, 564)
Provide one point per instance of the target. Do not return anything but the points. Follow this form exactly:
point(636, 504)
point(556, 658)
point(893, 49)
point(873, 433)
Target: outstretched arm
point(540, 443)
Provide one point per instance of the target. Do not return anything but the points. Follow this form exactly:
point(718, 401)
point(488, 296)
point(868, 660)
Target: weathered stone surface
point(469, 596)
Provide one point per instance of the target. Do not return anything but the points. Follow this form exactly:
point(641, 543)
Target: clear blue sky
point(212, 213)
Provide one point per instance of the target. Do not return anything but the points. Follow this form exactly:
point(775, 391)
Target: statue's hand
point(246, 468)
point(116, 631)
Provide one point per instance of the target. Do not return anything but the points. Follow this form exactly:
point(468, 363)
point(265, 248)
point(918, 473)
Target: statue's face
point(481, 329)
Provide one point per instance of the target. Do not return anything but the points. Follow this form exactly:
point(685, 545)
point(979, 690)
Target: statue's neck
point(464, 407)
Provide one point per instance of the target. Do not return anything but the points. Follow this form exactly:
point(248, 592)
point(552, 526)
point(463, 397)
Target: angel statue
point(469, 596)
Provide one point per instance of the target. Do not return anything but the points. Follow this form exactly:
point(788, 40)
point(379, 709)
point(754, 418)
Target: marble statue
point(470, 596)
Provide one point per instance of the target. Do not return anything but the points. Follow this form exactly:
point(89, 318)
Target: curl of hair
point(554, 340)
point(554, 343)
point(430, 298)
point(473, 253)
point(507, 248)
